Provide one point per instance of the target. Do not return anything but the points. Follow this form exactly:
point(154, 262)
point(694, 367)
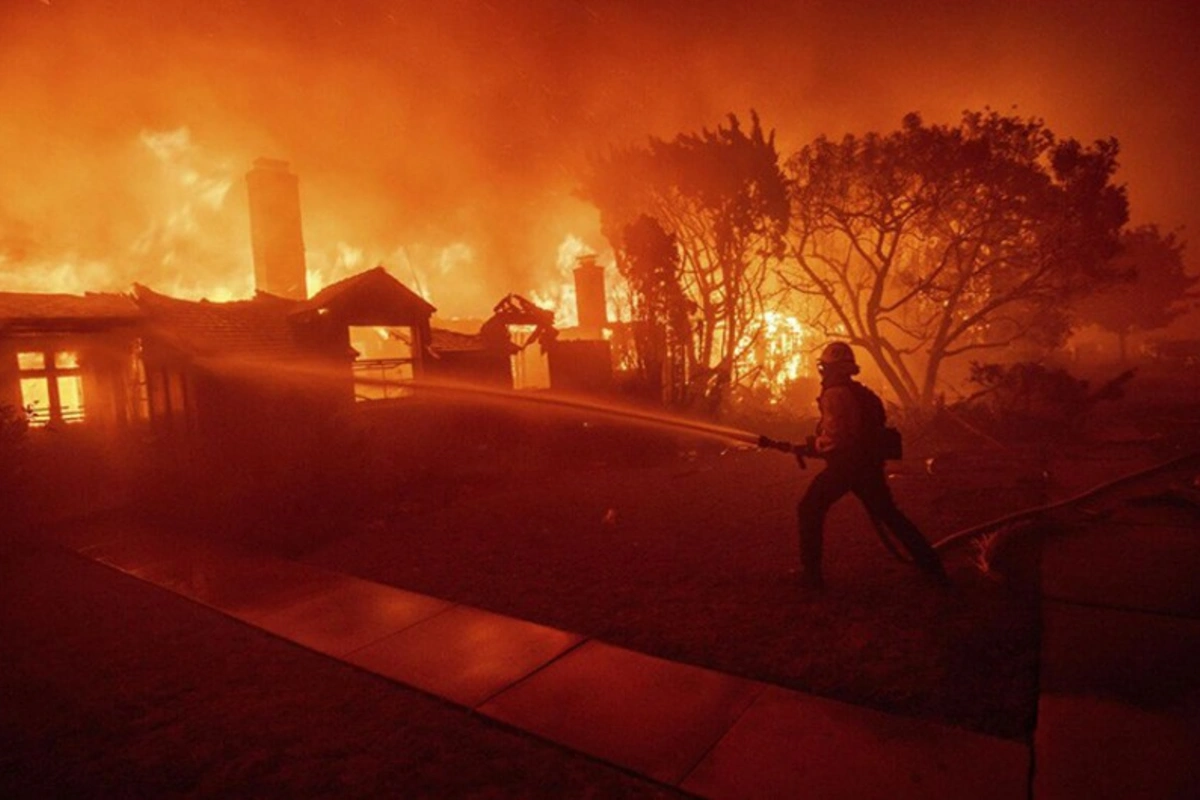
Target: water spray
point(566, 403)
point(495, 396)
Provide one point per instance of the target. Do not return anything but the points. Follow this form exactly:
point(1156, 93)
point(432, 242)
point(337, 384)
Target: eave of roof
point(372, 280)
point(28, 307)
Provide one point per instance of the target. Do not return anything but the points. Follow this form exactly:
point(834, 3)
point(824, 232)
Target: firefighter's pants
point(868, 483)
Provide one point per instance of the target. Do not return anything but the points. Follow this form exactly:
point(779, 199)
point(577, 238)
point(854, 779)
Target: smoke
point(445, 140)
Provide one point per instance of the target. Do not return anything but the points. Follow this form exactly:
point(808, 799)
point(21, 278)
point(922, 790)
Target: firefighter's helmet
point(838, 356)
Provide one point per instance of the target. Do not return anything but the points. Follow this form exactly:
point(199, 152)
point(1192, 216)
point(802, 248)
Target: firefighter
point(849, 440)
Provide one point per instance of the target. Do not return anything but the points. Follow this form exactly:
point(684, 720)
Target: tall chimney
point(590, 300)
point(275, 233)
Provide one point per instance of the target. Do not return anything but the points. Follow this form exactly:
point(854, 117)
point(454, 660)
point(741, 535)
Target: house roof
point(259, 328)
point(30, 308)
point(266, 326)
point(375, 285)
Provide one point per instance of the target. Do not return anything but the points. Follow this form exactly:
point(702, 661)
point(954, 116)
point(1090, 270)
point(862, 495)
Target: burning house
point(142, 381)
point(236, 371)
point(212, 368)
point(67, 357)
point(179, 366)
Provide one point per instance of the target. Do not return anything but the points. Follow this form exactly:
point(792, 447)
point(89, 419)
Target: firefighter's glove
point(766, 442)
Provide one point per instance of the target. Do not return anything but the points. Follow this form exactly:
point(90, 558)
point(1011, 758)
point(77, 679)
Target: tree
point(722, 198)
point(936, 241)
point(1154, 290)
point(650, 264)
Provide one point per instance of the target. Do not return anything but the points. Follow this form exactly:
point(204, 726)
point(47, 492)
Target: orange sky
point(445, 142)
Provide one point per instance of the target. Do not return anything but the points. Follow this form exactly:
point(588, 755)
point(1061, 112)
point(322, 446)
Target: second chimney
point(276, 236)
point(590, 297)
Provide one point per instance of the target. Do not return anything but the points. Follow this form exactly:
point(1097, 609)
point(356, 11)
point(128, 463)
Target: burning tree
point(1153, 292)
point(720, 200)
point(935, 241)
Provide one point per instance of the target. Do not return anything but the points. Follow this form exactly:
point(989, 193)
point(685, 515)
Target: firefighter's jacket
point(841, 433)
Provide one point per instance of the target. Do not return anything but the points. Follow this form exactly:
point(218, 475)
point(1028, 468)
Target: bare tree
point(934, 241)
point(722, 197)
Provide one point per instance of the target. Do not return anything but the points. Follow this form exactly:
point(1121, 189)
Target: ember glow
point(777, 352)
point(444, 141)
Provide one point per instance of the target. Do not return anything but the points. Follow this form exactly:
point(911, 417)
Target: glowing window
point(31, 361)
point(51, 387)
point(384, 363)
point(35, 396)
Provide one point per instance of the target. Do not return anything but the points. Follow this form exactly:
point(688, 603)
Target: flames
point(190, 239)
point(776, 348)
point(559, 292)
point(170, 226)
point(776, 352)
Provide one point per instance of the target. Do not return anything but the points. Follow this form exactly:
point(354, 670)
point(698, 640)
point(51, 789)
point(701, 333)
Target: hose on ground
point(1029, 513)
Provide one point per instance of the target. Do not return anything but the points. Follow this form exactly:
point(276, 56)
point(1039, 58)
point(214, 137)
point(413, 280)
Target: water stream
point(484, 395)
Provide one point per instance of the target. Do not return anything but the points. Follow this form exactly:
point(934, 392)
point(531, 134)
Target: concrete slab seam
point(398, 631)
point(475, 708)
point(762, 687)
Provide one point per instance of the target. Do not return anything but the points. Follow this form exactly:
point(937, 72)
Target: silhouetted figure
point(850, 438)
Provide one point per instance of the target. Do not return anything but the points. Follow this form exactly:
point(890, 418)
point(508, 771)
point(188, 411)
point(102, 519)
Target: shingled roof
point(258, 328)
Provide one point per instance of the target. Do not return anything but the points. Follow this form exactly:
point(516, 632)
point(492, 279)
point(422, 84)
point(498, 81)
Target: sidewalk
point(709, 733)
point(1118, 714)
point(1119, 709)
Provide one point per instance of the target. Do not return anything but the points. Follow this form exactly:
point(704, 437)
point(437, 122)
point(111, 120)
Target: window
point(384, 363)
point(51, 386)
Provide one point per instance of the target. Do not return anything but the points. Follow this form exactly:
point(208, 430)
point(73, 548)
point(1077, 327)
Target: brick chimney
point(275, 232)
point(590, 299)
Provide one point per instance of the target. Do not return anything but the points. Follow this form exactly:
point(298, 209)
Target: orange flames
point(776, 348)
point(776, 353)
point(192, 241)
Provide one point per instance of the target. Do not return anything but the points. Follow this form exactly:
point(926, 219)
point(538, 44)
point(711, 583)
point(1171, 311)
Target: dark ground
point(114, 688)
point(111, 687)
point(695, 561)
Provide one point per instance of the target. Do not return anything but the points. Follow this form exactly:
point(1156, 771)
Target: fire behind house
point(250, 373)
point(181, 365)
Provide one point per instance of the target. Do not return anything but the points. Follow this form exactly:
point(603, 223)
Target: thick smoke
point(445, 139)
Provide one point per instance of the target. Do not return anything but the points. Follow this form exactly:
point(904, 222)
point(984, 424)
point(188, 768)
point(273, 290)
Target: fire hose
point(1019, 516)
point(967, 534)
